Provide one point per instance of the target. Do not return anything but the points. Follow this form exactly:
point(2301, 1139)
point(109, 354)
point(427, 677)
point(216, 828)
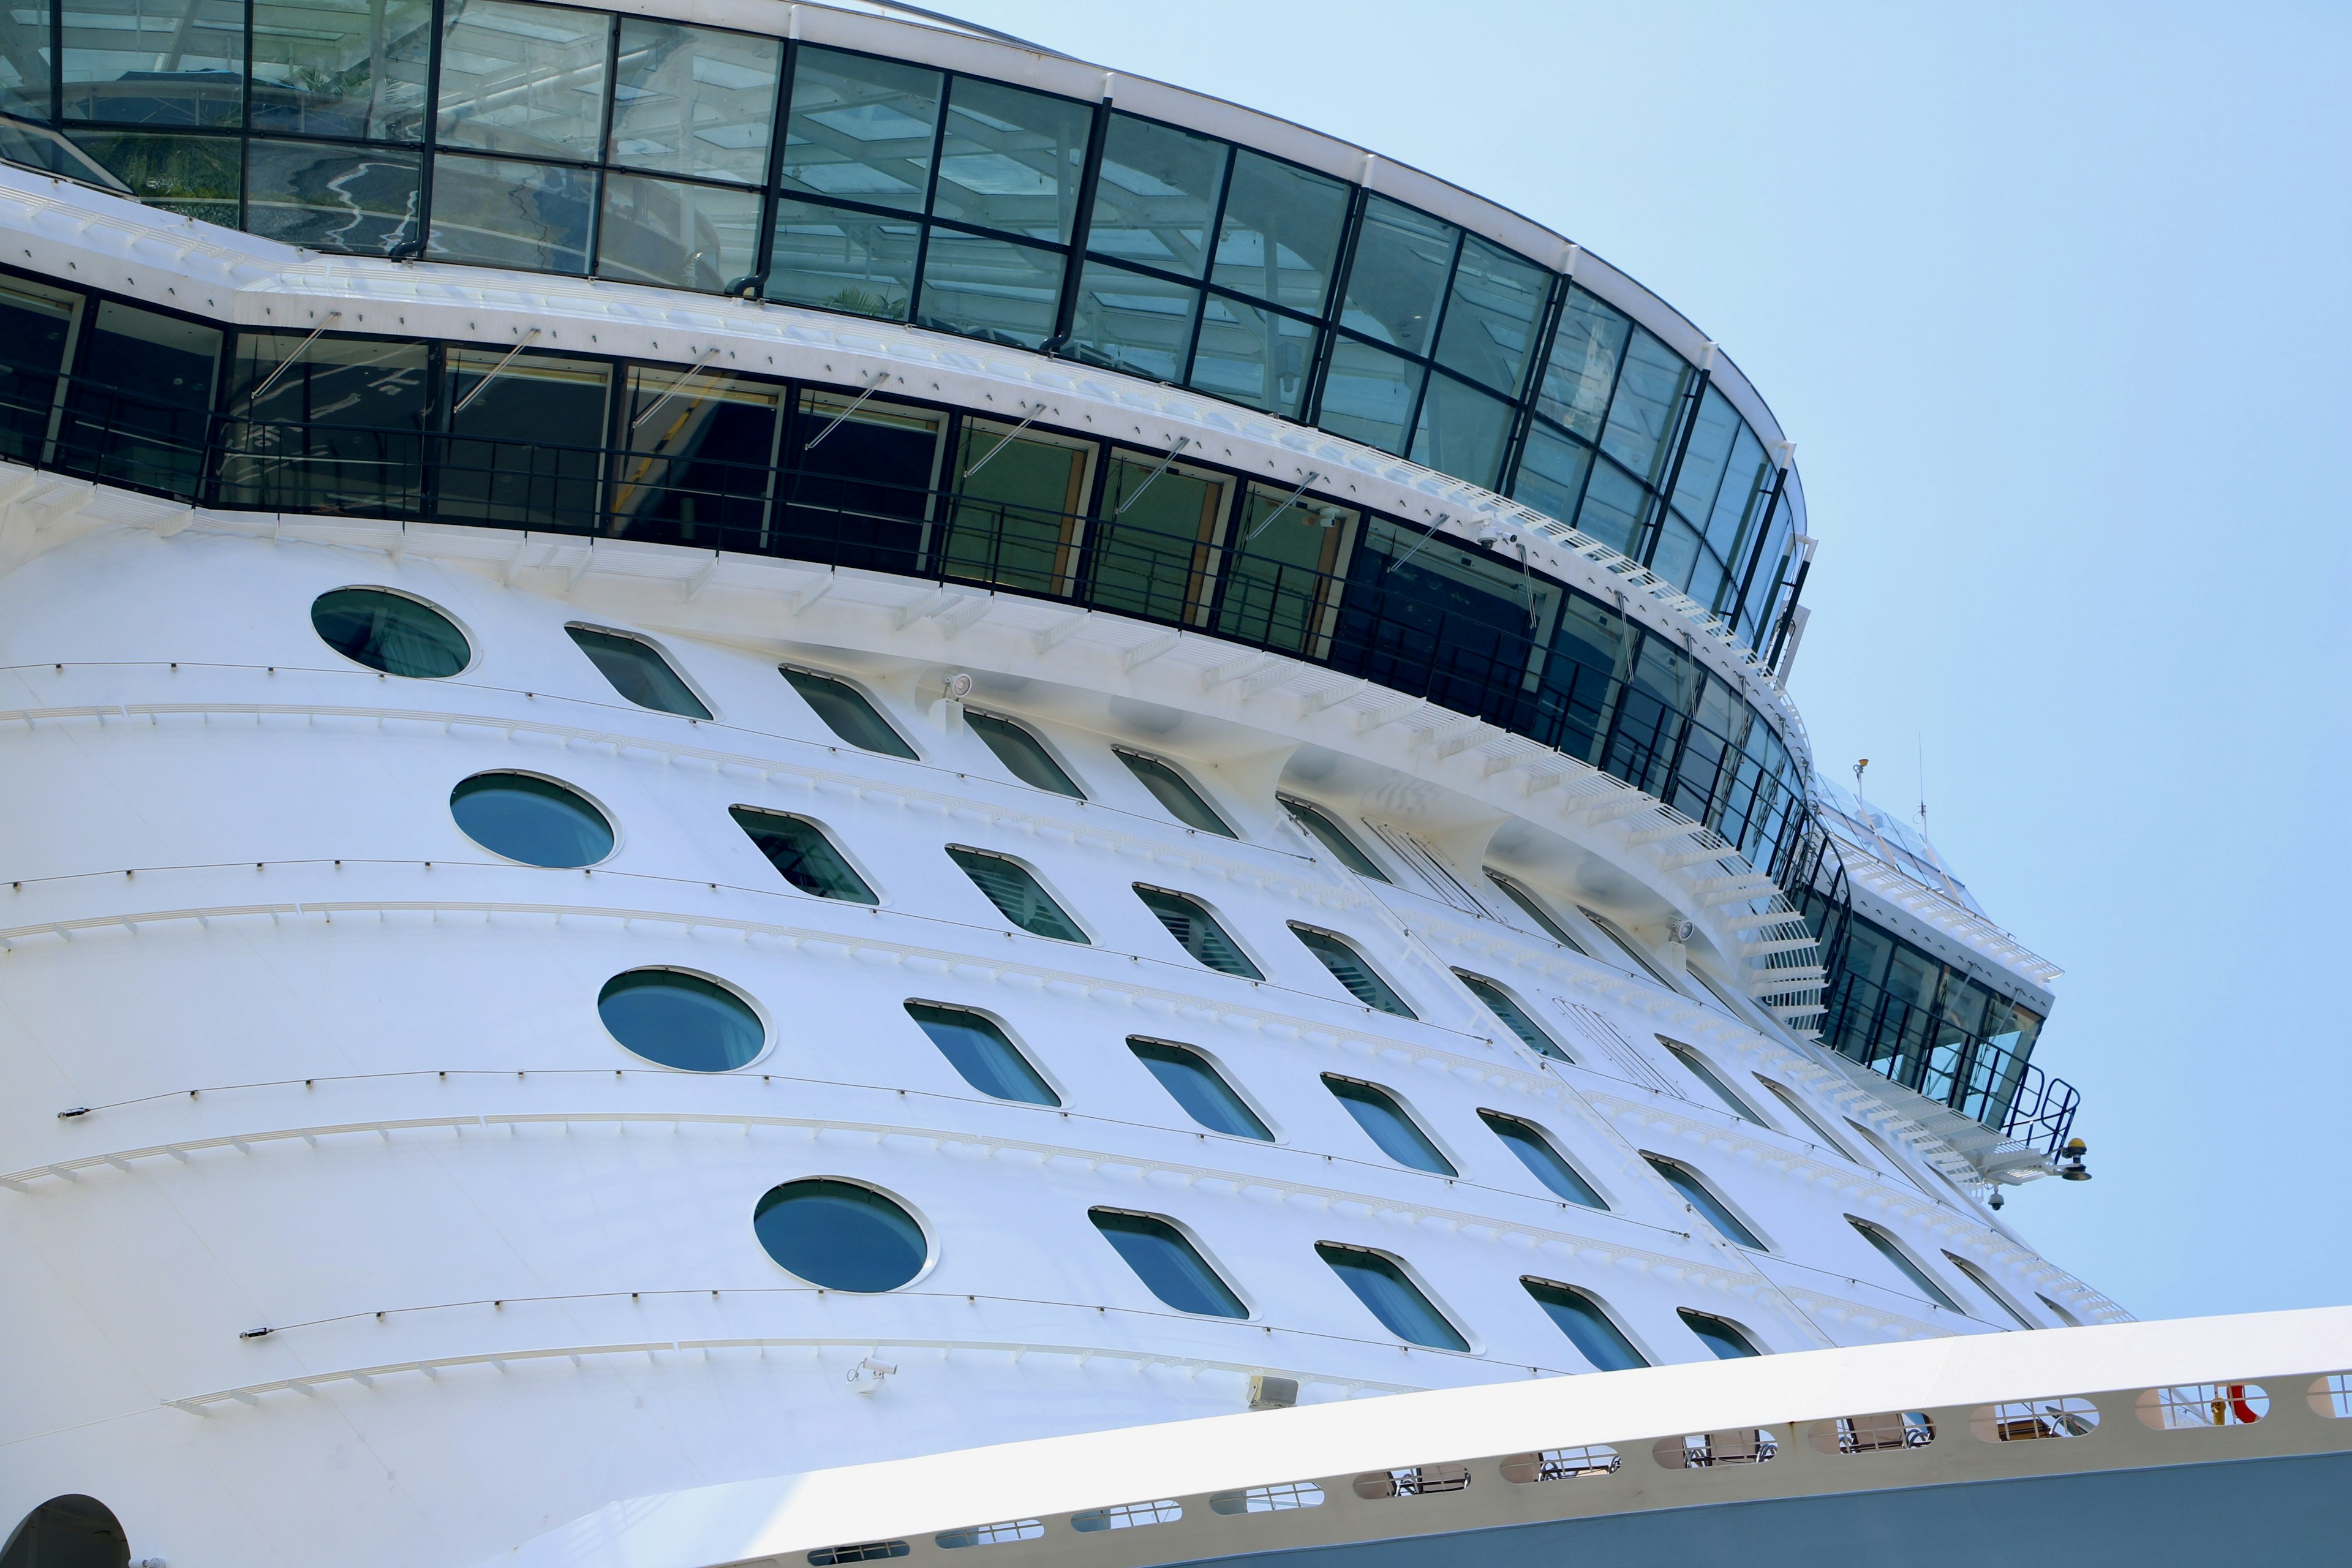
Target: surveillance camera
point(959, 686)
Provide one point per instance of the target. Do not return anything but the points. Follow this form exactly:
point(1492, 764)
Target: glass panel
point(694, 101)
point(1329, 833)
point(864, 472)
point(394, 634)
point(1150, 551)
point(1514, 1016)
point(1386, 1123)
point(363, 201)
point(990, 289)
point(1159, 192)
point(1544, 1162)
point(25, 62)
point(526, 450)
point(1252, 355)
point(1713, 1082)
point(1983, 1282)
point(701, 446)
point(338, 430)
point(1885, 1246)
point(525, 79)
point(1614, 509)
point(1462, 431)
point(1551, 472)
point(1279, 238)
point(37, 146)
point(802, 854)
point(1649, 398)
point(1710, 1207)
point(1015, 892)
point(1282, 575)
point(1201, 1089)
point(155, 62)
point(1397, 280)
point(1727, 1342)
point(1128, 321)
point(138, 413)
point(1796, 1107)
point(861, 129)
point(840, 1236)
point(847, 713)
point(841, 261)
point(1367, 395)
point(1583, 371)
point(638, 672)
point(1197, 932)
point(1016, 509)
point(1023, 754)
point(1175, 794)
point(1490, 322)
point(980, 1051)
point(504, 213)
point(1010, 159)
point(536, 821)
point(1713, 430)
point(350, 69)
point(1535, 911)
point(681, 1020)
point(195, 177)
point(1348, 968)
point(1429, 616)
point(1391, 1297)
point(1632, 949)
point(1588, 1327)
point(1168, 1264)
point(679, 235)
point(37, 328)
point(1675, 555)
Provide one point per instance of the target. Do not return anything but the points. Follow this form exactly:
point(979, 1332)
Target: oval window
point(390, 632)
point(534, 820)
point(681, 1020)
point(840, 1236)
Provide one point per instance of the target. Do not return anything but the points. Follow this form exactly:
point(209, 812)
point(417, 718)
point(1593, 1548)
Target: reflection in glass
point(1282, 575)
point(495, 210)
point(1699, 1069)
point(1542, 1159)
point(337, 430)
point(24, 87)
point(1701, 1197)
point(1253, 355)
point(525, 79)
point(982, 1053)
point(681, 1020)
point(694, 101)
point(1158, 191)
point(802, 854)
point(357, 200)
point(1133, 322)
point(837, 260)
point(1614, 506)
point(839, 1235)
point(861, 130)
point(1514, 1017)
point(1279, 237)
point(1199, 1089)
point(1490, 322)
point(1535, 911)
point(1332, 836)
point(195, 177)
point(390, 632)
point(36, 322)
point(1197, 931)
point(638, 672)
point(1717, 1334)
point(1023, 754)
point(1388, 1124)
point(522, 449)
point(1017, 500)
point(1389, 1295)
point(140, 408)
point(1583, 371)
point(1010, 159)
point(1017, 894)
point(1169, 1266)
point(700, 444)
point(1550, 477)
point(1596, 1337)
point(1397, 280)
point(1887, 1247)
point(669, 232)
point(536, 821)
point(153, 62)
point(990, 289)
point(847, 713)
point(1462, 431)
point(1150, 552)
point(1175, 792)
point(1644, 415)
point(348, 69)
point(1367, 395)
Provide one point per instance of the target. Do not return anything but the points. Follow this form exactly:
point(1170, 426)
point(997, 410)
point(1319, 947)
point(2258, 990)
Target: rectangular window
point(1279, 238)
point(1352, 971)
point(1586, 349)
point(1158, 196)
point(523, 79)
point(860, 477)
point(701, 447)
point(1644, 415)
point(990, 289)
point(1018, 498)
point(1253, 355)
point(1283, 571)
point(138, 412)
point(502, 213)
point(802, 854)
point(638, 672)
point(861, 130)
point(1462, 431)
point(1551, 472)
point(1133, 322)
point(155, 62)
point(694, 101)
point(674, 235)
point(1396, 284)
point(526, 449)
point(837, 259)
point(1010, 160)
point(1151, 550)
point(195, 177)
point(1369, 396)
point(338, 426)
point(361, 201)
point(1491, 318)
point(340, 69)
point(37, 323)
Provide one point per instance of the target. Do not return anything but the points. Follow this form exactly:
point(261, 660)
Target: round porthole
point(390, 632)
point(681, 1020)
point(534, 820)
point(840, 1236)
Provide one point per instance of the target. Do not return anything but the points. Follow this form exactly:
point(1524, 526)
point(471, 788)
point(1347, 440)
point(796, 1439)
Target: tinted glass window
point(1710, 1208)
point(536, 821)
point(1197, 932)
point(1544, 1162)
point(1397, 282)
point(1015, 892)
point(36, 321)
point(1388, 1124)
point(1329, 833)
point(1983, 1282)
point(1884, 1245)
point(1368, 395)
point(681, 236)
point(1348, 968)
point(1010, 159)
point(1169, 1266)
point(1159, 193)
point(1797, 1107)
point(1462, 431)
point(1385, 1290)
point(1199, 1089)
point(1514, 1017)
point(527, 79)
point(847, 714)
point(998, 290)
point(1707, 1076)
point(978, 1050)
point(390, 632)
point(340, 69)
point(839, 1235)
point(1535, 911)
point(694, 101)
point(638, 672)
point(1625, 945)
point(527, 427)
point(1253, 355)
point(1726, 1341)
point(1131, 321)
point(861, 129)
point(1023, 754)
point(681, 1020)
point(802, 854)
point(842, 260)
point(149, 62)
point(1490, 322)
point(1175, 794)
point(1648, 403)
point(1596, 1337)
point(1280, 235)
point(1583, 371)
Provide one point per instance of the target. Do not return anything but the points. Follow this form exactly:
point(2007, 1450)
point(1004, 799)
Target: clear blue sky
point(2053, 300)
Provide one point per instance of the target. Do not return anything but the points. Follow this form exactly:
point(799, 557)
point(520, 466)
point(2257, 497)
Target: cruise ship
point(786, 784)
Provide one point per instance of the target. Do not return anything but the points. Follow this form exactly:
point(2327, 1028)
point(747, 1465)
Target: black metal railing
point(1979, 1077)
